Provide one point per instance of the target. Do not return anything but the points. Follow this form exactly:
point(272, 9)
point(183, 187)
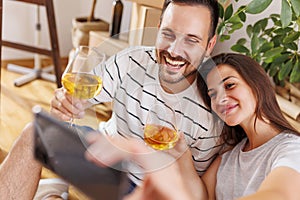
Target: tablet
point(61, 149)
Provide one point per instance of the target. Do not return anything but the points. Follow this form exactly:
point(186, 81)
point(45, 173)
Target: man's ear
point(210, 46)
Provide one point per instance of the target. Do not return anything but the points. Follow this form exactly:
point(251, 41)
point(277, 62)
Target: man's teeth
point(174, 62)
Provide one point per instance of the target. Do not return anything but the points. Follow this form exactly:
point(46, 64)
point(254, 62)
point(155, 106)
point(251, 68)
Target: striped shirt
point(131, 81)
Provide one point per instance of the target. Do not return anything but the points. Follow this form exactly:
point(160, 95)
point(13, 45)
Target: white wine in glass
point(160, 131)
point(79, 78)
point(82, 85)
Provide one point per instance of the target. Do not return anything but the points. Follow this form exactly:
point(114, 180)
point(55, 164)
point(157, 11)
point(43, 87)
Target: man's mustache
point(166, 54)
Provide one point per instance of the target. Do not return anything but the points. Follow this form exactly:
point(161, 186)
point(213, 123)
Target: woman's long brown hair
point(267, 108)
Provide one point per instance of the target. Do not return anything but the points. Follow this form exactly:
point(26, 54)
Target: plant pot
point(81, 28)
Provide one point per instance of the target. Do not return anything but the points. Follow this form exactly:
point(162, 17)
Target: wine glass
point(79, 78)
point(160, 131)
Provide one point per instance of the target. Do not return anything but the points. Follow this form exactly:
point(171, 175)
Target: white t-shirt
point(131, 81)
point(241, 173)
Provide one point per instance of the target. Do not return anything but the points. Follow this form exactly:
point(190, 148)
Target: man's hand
point(65, 107)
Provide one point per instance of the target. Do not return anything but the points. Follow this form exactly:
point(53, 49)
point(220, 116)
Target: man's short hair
point(212, 5)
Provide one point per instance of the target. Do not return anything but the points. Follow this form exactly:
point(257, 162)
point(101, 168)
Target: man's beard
point(175, 77)
point(167, 75)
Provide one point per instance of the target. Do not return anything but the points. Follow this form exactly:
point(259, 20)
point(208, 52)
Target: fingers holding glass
point(160, 131)
point(79, 79)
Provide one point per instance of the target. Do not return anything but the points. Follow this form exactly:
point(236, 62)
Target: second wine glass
point(79, 77)
point(160, 131)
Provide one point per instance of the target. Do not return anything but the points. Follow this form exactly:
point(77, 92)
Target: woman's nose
point(222, 98)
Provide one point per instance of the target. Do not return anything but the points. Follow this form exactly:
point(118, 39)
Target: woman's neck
point(259, 134)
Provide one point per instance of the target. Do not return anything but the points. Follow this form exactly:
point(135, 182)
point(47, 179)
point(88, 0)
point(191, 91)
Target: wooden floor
point(16, 104)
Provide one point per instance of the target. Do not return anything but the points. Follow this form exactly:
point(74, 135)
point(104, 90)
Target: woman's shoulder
point(288, 137)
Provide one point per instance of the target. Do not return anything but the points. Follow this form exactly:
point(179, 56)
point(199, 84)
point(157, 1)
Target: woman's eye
point(212, 95)
point(229, 86)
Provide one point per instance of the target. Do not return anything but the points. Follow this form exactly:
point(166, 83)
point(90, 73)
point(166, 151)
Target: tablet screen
point(61, 149)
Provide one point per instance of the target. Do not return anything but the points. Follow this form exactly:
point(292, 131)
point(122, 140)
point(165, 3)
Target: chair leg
point(1, 8)
point(53, 53)
point(54, 41)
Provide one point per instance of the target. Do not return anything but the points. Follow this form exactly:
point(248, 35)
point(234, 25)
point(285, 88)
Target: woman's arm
point(210, 178)
point(283, 183)
point(200, 188)
point(165, 184)
point(191, 178)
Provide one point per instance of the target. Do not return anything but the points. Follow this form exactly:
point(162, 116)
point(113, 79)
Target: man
point(139, 77)
point(186, 35)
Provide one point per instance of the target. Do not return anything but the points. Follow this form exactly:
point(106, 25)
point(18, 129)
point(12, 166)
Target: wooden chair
point(53, 53)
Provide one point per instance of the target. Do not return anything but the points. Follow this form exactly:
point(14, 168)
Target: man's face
point(183, 41)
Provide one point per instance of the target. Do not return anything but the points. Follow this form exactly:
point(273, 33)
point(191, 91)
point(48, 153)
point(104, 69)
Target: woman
point(264, 162)
point(263, 159)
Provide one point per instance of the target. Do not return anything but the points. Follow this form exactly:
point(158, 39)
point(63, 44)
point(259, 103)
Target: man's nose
point(176, 48)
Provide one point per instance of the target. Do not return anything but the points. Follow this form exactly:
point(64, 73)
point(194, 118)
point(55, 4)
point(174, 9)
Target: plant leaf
point(224, 37)
point(257, 6)
point(240, 48)
point(292, 46)
point(249, 30)
point(221, 10)
point(291, 37)
point(260, 25)
point(221, 28)
point(273, 70)
point(235, 27)
point(298, 21)
point(282, 31)
point(285, 70)
point(295, 74)
point(266, 47)
point(286, 13)
point(254, 44)
point(277, 40)
point(296, 6)
point(234, 19)
point(282, 58)
point(241, 41)
point(273, 52)
point(228, 12)
point(242, 16)
point(269, 31)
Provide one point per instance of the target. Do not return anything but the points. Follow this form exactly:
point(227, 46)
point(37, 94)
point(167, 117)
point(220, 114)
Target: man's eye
point(192, 41)
point(168, 35)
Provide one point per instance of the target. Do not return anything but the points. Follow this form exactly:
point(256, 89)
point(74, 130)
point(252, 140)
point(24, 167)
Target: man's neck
point(174, 88)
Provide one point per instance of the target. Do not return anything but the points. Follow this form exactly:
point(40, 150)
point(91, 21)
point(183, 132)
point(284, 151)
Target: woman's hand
point(162, 172)
point(105, 150)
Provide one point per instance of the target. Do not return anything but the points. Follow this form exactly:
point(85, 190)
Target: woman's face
point(231, 97)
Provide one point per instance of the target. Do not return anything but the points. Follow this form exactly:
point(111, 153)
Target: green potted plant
point(273, 41)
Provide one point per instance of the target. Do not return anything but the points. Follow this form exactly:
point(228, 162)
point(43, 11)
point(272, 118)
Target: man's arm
point(20, 172)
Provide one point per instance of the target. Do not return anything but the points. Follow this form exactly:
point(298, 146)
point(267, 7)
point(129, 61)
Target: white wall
point(19, 23)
